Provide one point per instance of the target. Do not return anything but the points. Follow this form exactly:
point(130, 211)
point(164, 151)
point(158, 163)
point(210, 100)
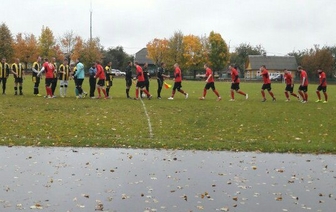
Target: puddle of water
point(91, 179)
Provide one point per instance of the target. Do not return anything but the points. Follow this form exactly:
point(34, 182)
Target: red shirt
point(265, 76)
point(288, 78)
point(49, 69)
point(178, 75)
point(100, 72)
point(234, 76)
point(323, 79)
point(304, 75)
point(208, 72)
point(139, 73)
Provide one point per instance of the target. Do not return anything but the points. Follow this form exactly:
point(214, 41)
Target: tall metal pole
point(91, 21)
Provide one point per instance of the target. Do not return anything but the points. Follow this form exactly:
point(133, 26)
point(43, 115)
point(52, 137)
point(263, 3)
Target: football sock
point(325, 96)
point(204, 92)
point(104, 92)
point(318, 95)
point(98, 89)
point(242, 93)
point(286, 94)
point(263, 94)
point(306, 96)
point(216, 92)
point(271, 93)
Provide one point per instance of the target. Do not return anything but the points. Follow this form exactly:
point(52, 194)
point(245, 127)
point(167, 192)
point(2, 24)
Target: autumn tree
point(67, 42)
point(20, 47)
point(192, 52)
point(32, 47)
point(318, 58)
point(91, 52)
point(77, 49)
point(25, 48)
point(157, 50)
point(6, 42)
point(46, 43)
point(175, 49)
point(218, 52)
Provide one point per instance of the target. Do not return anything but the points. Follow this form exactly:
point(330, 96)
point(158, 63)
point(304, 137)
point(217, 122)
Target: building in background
point(274, 64)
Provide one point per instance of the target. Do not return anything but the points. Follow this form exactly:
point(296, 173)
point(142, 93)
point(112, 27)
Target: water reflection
point(91, 179)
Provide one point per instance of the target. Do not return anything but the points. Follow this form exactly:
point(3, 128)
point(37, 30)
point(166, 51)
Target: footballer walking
point(210, 83)
point(303, 84)
point(289, 85)
point(235, 83)
point(177, 83)
point(322, 86)
point(140, 82)
point(267, 84)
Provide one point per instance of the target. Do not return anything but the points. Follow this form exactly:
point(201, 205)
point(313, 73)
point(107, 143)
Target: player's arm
point(303, 80)
point(41, 71)
point(208, 78)
point(322, 81)
point(34, 70)
point(13, 72)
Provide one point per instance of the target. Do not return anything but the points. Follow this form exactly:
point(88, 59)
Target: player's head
point(263, 67)
point(319, 70)
point(65, 61)
point(109, 64)
point(299, 68)
point(3, 60)
point(129, 63)
point(17, 60)
point(46, 59)
point(39, 59)
point(136, 63)
point(205, 66)
point(176, 65)
point(285, 71)
point(163, 64)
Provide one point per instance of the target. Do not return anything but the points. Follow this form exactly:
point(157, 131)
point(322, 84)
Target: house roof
point(272, 62)
point(141, 57)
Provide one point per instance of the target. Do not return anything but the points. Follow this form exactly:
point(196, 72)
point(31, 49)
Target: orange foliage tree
point(157, 50)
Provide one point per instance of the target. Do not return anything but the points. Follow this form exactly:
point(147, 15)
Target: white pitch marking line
point(148, 119)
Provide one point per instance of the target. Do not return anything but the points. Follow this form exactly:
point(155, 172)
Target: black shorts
point(235, 86)
point(48, 81)
point(128, 82)
point(140, 84)
point(210, 85)
point(266, 87)
point(303, 88)
point(79, 82)
point(177, 85)
point(101, 82)
point(289, 88)
point(18, 80)
point(322, 88)
point(108, 83)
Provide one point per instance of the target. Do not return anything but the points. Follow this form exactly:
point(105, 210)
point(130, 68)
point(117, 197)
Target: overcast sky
point(280, 26)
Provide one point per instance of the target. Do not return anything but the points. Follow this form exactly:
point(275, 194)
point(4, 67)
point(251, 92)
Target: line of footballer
point(102, 79)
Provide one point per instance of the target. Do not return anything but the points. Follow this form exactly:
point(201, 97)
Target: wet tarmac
point(92, 179)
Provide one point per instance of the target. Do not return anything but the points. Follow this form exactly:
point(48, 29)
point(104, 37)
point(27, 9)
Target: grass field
point(243, 125)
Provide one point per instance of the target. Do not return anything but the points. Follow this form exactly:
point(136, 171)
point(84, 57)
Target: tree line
point(190, 51)
point(27, 47)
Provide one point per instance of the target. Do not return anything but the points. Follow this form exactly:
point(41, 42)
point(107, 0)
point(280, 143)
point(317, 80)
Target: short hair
point(162, 63)
point(263, 66)
point(136, 63)
point(299, 67)
point(129, 62)
point(46, 59)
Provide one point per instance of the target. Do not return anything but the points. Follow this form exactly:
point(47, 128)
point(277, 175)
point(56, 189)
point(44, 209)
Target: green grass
point(179, 124)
